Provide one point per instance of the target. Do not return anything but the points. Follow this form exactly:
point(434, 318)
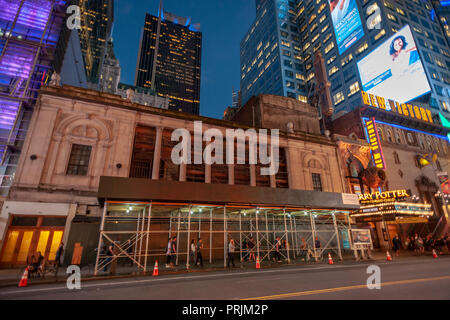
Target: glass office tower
point(271, 54)
point(296, 29)
point(178, 64)
point(97, 17)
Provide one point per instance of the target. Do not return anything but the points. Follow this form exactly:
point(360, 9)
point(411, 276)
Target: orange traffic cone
point(330, 260)
point(388, 256)
point(24, 280)
point(258, 266)
point(434, 254)
point(155, 269)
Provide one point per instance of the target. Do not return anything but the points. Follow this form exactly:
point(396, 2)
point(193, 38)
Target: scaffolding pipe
point(295, 233)
point(267, 236)
point(313, 233)
point(102, 224)
point(292, 237)
point(137, 235)
point(337, 236)
point(240, 236)
point(178, 234)
point(225, 237)
point(257, 234)
point(148, 235)
point(287, 235)
point(188, 236)
point(210, 235)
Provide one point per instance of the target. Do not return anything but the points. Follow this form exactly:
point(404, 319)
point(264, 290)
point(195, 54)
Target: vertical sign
point(444, 182)
point(375, 143)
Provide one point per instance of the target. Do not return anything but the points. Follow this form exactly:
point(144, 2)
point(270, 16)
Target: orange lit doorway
point(28, 235)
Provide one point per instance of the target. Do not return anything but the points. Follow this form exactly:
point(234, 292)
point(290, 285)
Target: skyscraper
point(29, 33)
point(97, 17)
point(176, 73)
point(277, 53)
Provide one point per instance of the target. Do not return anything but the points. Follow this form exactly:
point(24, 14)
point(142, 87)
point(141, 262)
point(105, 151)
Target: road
point(419, 278)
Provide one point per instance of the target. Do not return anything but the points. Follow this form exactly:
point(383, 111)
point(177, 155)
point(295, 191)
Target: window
point(317, 182)
point(362, 48)
point(329, 47)
point(346, 60)
point(338, 97)
point(333, 70)
point(354, 88)
point(79, 160)
point(396, 158)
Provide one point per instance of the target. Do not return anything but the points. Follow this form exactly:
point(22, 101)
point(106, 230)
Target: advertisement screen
point(347, 23)
point(394, 70)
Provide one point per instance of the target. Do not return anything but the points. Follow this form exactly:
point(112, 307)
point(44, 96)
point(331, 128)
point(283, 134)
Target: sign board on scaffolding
point(361, 239)
point(350, 198)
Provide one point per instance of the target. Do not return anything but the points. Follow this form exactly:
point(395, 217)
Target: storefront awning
point(133, 189)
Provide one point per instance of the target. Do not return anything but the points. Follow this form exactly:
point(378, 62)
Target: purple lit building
point(29, 33)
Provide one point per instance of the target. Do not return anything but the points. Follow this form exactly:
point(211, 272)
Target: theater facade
point(104, 165)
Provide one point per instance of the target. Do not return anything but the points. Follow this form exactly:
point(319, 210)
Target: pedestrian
point(109, 254)
point(419, 245)
point(277, 248)
point(59, 254)
point(171, 252)
point(251, 249)
point(244, 250)
point(199, 260)
point(168, 252)
point(231, 248)
point(304, 251)
point(396, 245)
point(192, 254)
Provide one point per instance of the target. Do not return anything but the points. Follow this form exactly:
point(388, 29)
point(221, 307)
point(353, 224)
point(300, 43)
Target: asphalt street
point(423, 278)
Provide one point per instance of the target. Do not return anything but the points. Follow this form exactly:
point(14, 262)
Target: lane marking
point(362, 286)
point(297, 269)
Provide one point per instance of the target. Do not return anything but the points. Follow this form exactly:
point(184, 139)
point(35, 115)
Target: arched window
point(380, 133)
point(389, 135)
point(397, 137)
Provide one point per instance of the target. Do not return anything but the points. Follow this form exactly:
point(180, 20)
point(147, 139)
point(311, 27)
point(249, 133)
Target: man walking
point(199, 259)
point(231, 248)
point(277, 250)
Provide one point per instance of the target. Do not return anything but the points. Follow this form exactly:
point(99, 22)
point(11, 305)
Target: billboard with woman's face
point(346, 22)
point(394, 69)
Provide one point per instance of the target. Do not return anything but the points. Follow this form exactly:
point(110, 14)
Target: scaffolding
point(29, 32)
point(139, 232)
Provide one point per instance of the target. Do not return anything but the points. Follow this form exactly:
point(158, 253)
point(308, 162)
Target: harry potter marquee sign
point(386, 196)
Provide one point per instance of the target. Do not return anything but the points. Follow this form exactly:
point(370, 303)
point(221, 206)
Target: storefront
point(140, 215)
point(386, 212)
point(30, 228)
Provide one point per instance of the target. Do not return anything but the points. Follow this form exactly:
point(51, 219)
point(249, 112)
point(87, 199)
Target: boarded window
point(167, 169)
point(282, 176)
point(143, 151)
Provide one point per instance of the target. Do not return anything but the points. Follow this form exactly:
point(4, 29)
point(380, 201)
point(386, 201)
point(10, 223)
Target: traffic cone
point(388, 256)
point(434, 254)
point(24, 280)
point(330, 260)
point(258, 266)
point(155, 269)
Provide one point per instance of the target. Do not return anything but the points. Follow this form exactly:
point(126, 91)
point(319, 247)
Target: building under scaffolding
point(139, 231)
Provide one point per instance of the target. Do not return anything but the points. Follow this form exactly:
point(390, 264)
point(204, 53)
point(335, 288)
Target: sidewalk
point(11, 277)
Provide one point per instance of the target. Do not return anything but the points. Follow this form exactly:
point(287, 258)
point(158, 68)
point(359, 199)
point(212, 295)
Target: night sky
point(223, 25)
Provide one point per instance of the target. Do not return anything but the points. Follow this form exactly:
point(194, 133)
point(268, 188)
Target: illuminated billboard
point(346, 22)
point(394, 70)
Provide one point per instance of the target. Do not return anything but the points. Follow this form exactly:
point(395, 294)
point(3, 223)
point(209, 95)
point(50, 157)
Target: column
point(157, 153)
